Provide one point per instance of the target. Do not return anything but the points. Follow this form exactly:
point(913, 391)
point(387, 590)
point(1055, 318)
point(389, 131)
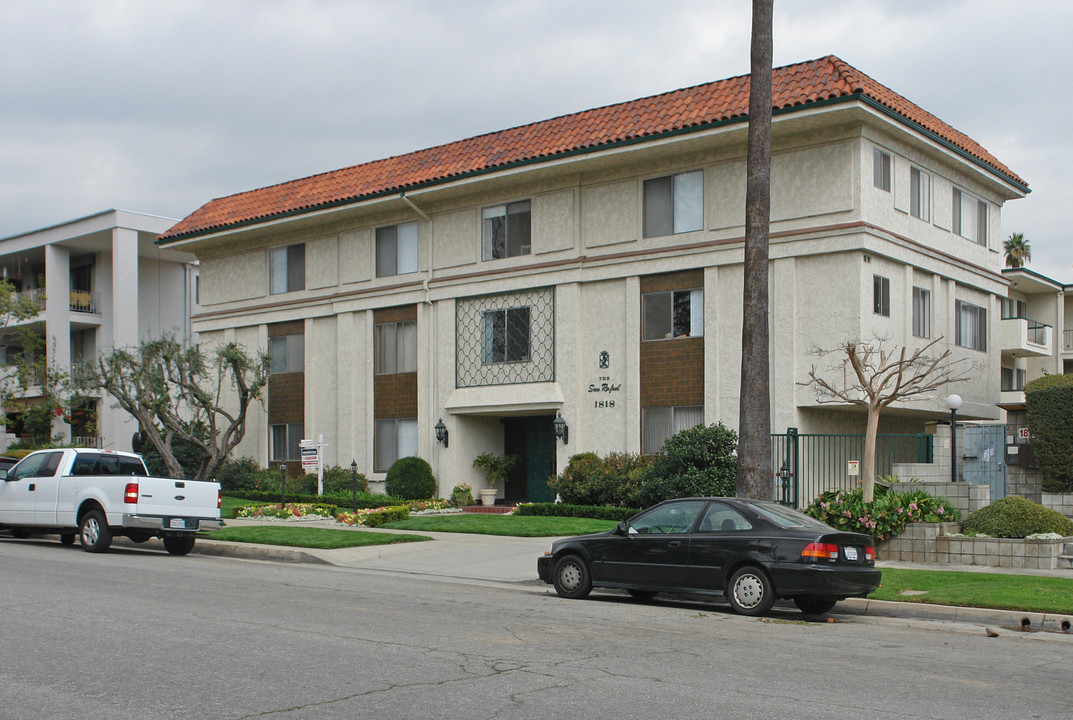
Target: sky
point(158, 106)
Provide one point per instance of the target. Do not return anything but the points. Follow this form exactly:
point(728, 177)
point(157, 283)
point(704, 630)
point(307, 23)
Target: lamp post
point(953, 402)
point(283, 483)
point(354, 482)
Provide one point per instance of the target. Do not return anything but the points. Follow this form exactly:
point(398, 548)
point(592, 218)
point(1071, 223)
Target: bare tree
point(177, 392)
point(754, 405)
point(874, 376)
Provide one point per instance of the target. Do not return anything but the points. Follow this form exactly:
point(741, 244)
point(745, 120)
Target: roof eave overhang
point(209, 233)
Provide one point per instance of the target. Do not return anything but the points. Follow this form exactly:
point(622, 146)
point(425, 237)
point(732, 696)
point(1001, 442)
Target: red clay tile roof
point(793, 86)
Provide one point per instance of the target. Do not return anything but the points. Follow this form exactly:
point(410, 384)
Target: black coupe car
point(748, 552)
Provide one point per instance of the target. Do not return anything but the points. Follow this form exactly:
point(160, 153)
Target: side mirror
point(622, 529)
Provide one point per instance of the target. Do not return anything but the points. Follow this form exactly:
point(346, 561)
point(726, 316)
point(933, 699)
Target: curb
point(250, 551)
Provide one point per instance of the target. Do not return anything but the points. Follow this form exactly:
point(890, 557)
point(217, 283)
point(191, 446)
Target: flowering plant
point(885, 516)
point(462, 495)
point(291, 510)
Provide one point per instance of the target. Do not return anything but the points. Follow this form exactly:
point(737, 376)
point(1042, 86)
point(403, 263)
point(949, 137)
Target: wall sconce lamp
point(562, 430)
point(441, 432)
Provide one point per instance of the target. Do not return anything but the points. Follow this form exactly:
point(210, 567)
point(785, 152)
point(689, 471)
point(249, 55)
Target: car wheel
point(750, 592)
point(20, 533)
point(67, 539)
point(94, 532)
point(138, 536)
point(571, 577)
point(814, 605)
point(642, 594)
point(178, 544)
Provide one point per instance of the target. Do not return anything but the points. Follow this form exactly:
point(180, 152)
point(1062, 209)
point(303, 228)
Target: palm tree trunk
point(755, 478)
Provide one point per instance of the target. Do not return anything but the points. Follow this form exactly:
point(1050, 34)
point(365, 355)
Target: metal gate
point(984, 457)
point(816, 463)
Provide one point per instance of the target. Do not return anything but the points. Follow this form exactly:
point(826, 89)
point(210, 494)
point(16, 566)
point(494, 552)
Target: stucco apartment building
point(102, 282)
point(590, 267)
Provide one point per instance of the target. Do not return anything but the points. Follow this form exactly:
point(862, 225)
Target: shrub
point(599, 512)
point(410, 478)
point(365, 500)
point(375, 517)
point(590, 480)
point(884, 517)
point(238, 474)
point(462, 495)
point(339, 481)
point(1048, 401)
point(696, 462)
point(1016, 517)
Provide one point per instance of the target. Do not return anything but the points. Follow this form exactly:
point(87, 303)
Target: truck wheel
point(67, 539)
point(178, 544)
point(95, 534)
point(138, 536)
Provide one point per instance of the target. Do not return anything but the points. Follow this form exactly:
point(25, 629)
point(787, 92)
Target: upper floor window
point(921, 312)
point(286, 441)
point(881, 295)
point(287, 353)
point(671, 314)
point(970, 325)
point(970, 217)
point(287, 268)
point(919, 194)
point(881, 169)
point(659, 423)
point(396, 249)
point(1013, 379)
point(396, 347)
point(674, 204)
point(1014, 308)
point(506, 335)
point(506, 230)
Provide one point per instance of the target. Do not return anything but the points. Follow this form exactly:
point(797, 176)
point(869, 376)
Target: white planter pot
point(488, 496)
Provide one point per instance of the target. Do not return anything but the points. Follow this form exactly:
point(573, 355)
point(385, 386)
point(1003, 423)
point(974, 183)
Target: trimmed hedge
point(343, 501)
point(410, 478)
point(1016, 517)
point(597, 512)
point(1049, 402)
point(387, 515)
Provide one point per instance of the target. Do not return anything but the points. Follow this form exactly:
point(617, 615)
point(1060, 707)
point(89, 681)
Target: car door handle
point(32, 487)
point(674, 543)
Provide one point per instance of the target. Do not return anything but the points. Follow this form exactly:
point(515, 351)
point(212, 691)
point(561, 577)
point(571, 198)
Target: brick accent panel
point(395, 396)
point(286, 398)
point(672, 372)
point(395, 314)
point(686, 280)
point(295, 327)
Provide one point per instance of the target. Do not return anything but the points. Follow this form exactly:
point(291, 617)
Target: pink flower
point(940, 510)
point(913, 506)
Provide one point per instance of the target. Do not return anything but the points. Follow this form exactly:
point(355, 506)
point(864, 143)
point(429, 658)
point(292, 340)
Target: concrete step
point(1064, 562)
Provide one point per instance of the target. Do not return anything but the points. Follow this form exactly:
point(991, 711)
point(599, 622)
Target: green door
point(532, 439)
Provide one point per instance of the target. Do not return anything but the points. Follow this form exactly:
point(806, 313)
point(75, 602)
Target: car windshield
point(785, 517)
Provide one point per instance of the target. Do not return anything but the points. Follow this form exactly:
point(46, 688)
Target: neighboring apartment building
point(103, 282)
point(590, 267)
point(1037, 338)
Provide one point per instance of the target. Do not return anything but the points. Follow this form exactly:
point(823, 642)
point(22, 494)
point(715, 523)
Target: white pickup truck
point(98, 494)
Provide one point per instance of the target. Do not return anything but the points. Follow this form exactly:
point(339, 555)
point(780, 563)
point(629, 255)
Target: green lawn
point(987, 590)
point(320, 538)
point(514, 525)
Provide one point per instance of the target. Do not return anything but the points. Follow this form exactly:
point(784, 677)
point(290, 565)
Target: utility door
point(984, 457)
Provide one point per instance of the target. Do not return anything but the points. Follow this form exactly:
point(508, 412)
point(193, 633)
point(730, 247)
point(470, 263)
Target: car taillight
point(219, 498)
point(827, 551)
point(130, 494)
point(869, 553)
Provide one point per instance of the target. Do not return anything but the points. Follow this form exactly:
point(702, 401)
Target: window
point(881, 169)
point(288, 268)
point(674, 204)
point(287, 353)
point(396, 347)
point(1013, 379)
point(396, 250)
point(659, 423)
point(506, 336)
point(672, 518)
point(881, 295)
point(970, 325)
point(285, 441)
point(970, 217)
point(919, 194)
point(1014, 308)
point(506, 230)
point(671, 314)
point(723, 518)
point(394, 439)
point(921, 313)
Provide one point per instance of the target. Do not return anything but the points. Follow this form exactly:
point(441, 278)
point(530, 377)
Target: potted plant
point(495, 468)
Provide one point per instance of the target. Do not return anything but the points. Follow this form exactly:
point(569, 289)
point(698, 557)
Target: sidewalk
point(513, 560)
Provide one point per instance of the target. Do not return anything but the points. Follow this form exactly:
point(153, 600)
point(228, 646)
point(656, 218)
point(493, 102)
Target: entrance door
point(532, 439)
point(985, 455)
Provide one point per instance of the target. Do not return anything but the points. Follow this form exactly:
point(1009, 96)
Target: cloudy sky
point(161, 105)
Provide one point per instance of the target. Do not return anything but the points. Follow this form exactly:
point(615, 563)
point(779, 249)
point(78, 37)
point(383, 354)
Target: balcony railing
point(1067, 341)
point(84, 301)
point(88, 442)
point(36, 295)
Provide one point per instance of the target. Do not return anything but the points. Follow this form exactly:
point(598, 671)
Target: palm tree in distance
point(1018, 250)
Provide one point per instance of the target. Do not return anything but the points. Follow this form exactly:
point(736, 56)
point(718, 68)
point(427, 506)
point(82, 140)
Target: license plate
point(851, 552)
point(177, 523)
